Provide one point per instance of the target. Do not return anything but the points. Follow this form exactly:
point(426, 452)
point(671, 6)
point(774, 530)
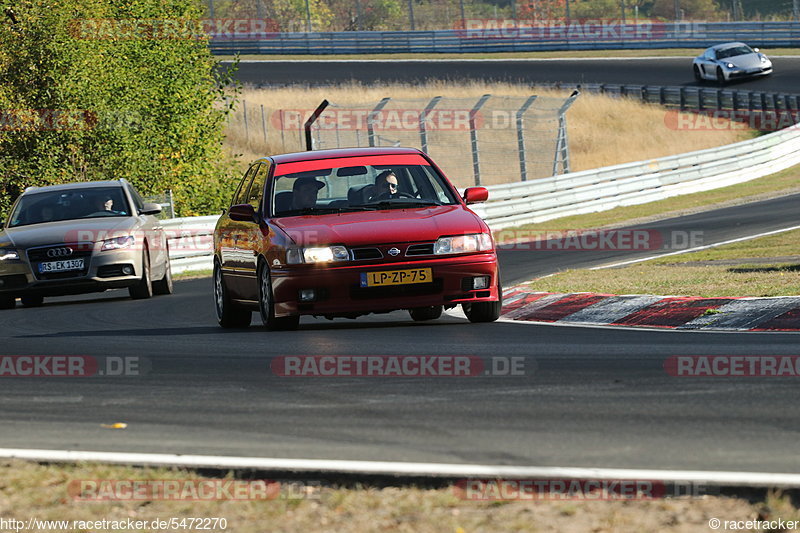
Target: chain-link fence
point(484, 141)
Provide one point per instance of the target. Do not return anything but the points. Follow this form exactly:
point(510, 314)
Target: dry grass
point(738, 269)
point(602, 130)
point(32, 490)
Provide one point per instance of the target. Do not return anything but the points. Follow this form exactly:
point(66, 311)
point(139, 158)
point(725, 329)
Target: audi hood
point(66, 231)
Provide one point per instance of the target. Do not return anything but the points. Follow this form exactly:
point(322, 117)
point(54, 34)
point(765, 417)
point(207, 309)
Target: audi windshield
point(81, 203)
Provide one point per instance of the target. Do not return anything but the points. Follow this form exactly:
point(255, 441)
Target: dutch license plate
point(61, 266)
point(396, 277)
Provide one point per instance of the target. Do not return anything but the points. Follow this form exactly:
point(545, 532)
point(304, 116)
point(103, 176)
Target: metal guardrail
point(190, 242)
point(636, 183)
point(481, 40)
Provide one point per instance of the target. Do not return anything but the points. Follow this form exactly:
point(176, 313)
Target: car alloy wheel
point(266, 303)
point(144, 287)
point(165, 284)
point(229, 315)
point(485, 311)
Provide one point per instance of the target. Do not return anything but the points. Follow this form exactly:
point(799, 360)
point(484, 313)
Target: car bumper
point(739, 74)
point(338, 289)
point(104, 272)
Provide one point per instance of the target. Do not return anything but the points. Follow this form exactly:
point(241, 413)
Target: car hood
point(88, 230)
point(381, 227)
point(747, 61)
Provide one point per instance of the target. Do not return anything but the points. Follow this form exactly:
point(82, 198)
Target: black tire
point(229, 315)
point(697, 77)
point(266, 304)
point(720, 76)
point(420, 314)
point(165, 285)
point(144, 287)
point(484, 311)
point(8, 302)
point(32, 300)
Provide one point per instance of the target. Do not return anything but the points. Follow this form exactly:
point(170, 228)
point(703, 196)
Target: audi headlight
point(118, 243)
point(463, 244)
point(325, 254)
point(8, 254)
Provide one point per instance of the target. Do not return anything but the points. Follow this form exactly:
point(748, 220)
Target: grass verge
point(563, 54)
point(41, 491)
point(193, 274)
point(767, 266)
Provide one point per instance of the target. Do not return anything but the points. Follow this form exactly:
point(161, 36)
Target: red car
point(343, 233)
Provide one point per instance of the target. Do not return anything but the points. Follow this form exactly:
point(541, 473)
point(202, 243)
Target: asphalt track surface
point(653, 71)
point(589, 397)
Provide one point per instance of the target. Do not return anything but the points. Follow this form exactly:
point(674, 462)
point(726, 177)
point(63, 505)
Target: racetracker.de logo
point(382, 120)
point(95, 490)
point(71, 366)
point(174, 29)
point(597, 239)
point(396, 366)
point(723, 120)
point(736, 366)
point(589, 30)
point(575, 490)
point(23, 120)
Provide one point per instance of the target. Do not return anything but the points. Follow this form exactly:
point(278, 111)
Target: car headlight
point(463, 244)
point(764, 59)
point(117, 243)
point(730, 65)
point(8, 254)
point(324, 254)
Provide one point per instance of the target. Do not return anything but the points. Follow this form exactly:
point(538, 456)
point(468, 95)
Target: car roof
point(723, 46)
point(73, 186)
point(340, 153)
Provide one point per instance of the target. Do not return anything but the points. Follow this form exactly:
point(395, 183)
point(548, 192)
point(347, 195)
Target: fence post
point(283, 128)
point(423, 130)
point(246, 130)
point(171, 204)
point(523, 170)
point(264, 125)
point(562, 145)
point(473, 135)
point(313, 118)
point(371, 117)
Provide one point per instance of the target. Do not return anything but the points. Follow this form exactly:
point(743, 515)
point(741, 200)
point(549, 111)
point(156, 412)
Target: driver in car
point(304, 192)
point(385, 186)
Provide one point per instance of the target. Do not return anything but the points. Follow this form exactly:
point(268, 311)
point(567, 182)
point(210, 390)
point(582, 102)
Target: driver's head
point(386, 182)
point(104, 203)
point(304, 192)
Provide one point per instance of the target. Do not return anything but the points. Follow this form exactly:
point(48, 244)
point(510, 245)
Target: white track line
point(750, 479)
point(688, 250)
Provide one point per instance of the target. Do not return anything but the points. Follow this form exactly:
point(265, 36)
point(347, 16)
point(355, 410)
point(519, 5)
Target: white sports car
point(730, 61)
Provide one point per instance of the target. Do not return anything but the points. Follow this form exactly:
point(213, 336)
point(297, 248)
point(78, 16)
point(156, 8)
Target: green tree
point(149, 101)
point(692, 9)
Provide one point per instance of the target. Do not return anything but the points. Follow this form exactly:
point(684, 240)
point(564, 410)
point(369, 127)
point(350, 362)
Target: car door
point(150, 226)
point(252, 238)
point(232, 231)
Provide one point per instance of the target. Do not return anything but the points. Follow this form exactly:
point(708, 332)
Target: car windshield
point(734, 51)
point(51, 206)
point(359, 188)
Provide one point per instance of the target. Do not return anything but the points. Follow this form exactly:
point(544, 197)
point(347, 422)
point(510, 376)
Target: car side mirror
point(473, 195)
point(243, 213)
point(150, 209)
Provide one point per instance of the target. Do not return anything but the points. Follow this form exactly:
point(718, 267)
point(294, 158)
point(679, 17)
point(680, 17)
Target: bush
point(81, 100)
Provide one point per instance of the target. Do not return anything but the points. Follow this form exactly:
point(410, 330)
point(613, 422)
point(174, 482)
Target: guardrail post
point(719, 98)
point(750, 106)
point(683, 98)
point(700, 99)
point(473, 134)
point(523, 169)
point(371, 118)
point(562, 145)
point(313, 118)
point(763, 101)
point(423, 130)
point(662, 95)
point(776, 101)
point(735, 100)
point(645, 95)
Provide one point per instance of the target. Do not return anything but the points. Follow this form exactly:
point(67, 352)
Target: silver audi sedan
point(730, 61)
point(82, 237)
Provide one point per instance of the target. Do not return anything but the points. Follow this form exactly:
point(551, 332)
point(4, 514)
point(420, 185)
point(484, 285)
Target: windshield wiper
point(323, 210)
point(404, 202)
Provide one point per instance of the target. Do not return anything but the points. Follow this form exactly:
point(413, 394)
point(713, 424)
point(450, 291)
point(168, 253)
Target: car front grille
point(56, 252)
point(420, 249)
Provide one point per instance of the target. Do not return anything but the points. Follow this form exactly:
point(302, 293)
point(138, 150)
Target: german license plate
point(61, 266)
point(396, 277)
